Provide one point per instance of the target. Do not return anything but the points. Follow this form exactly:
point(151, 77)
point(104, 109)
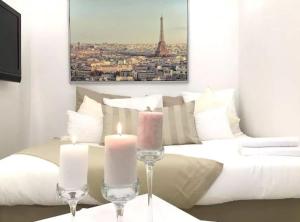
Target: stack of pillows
point(187, 119)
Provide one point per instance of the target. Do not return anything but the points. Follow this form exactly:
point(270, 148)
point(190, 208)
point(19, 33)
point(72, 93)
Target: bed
point(250, 188)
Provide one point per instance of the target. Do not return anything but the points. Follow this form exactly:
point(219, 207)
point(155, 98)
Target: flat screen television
point(10, 43)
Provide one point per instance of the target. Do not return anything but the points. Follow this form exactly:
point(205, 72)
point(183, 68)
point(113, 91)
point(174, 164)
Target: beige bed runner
point(180, 180)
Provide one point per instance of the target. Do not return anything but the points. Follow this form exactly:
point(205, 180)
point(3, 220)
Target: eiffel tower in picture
point(161, 50)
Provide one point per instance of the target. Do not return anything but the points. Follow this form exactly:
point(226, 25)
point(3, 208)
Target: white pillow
point(84, 128)
point(213, 124)
point(138, 103)
point(191, 96)
point(226, 97)
point(91, 107)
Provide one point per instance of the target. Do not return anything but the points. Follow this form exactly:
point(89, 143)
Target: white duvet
point(26, 180)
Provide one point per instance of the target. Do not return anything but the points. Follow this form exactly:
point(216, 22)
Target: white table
point(135, 211)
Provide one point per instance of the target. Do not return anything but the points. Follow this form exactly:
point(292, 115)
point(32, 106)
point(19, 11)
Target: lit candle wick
point(119, 129)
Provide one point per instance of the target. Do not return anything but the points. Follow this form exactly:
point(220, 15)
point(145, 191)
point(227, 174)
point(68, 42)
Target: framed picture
point(128, 40)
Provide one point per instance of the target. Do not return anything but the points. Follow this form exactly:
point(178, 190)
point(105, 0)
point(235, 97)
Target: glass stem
point(119, 211)
point(149, 171)
point(73, 205)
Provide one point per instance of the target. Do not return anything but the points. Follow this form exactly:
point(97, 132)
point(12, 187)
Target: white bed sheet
point(29, 180)
point(245, 177)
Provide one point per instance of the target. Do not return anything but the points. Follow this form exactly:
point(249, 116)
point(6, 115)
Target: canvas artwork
point(128, 40)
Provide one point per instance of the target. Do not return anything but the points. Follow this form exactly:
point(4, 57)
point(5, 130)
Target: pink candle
point(150, 130)
point(120, 160)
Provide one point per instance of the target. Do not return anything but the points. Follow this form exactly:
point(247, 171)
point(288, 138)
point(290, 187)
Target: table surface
point(135, 211)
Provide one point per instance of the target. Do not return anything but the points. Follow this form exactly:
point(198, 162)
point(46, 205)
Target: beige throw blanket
point(180, 180)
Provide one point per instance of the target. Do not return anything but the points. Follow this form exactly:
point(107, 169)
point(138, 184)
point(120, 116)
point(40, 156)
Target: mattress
point(28, 180)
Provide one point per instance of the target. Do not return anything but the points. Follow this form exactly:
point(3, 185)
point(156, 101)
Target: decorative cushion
point(139, 103)
point(210, 99)
point(112, 116)
point(91, 107)
point(81, 92)
point(179, 125)
point(213, 124)
point(172, 101)
point(84, 128)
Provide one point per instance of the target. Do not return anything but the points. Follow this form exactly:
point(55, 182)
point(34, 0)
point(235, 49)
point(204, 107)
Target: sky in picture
point(127, 21)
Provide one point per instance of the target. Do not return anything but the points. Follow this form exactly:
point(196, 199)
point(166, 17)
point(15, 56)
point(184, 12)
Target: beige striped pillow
point(179, 125)
point(113, 115)
point(82, 92)
point(172, 101)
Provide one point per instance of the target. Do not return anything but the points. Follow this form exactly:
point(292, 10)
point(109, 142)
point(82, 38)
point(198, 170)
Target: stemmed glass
point(72, 183)
point(150, 157)
point(72, 197)
point(119, 195)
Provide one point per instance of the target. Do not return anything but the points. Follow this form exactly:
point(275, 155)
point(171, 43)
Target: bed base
point(287, 210)
point(28, 213)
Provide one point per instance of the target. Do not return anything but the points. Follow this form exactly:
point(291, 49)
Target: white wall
point(213, 61)
point(270, 67)
point(10, 117)
point(14, 100)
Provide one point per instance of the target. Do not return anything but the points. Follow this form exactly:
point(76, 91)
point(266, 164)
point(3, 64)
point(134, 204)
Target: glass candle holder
point(72, 197)
point(119, 195)
point(150, 157)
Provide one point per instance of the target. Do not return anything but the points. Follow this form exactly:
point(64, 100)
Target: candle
point(73, 166)
point(150, 130)
point(120, 159)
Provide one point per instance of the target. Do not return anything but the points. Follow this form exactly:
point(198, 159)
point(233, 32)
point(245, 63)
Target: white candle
point(73, 166)
point(120, 159)
point(150, 130)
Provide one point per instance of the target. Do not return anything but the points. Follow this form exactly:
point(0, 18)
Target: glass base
point(150, 156)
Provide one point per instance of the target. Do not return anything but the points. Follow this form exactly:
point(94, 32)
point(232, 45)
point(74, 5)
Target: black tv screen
point(10, 43)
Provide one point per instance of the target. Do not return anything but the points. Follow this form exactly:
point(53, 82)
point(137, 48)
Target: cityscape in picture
point(109, 44)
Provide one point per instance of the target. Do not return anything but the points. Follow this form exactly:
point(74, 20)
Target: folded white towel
point(271, 151)
point(270, 142)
